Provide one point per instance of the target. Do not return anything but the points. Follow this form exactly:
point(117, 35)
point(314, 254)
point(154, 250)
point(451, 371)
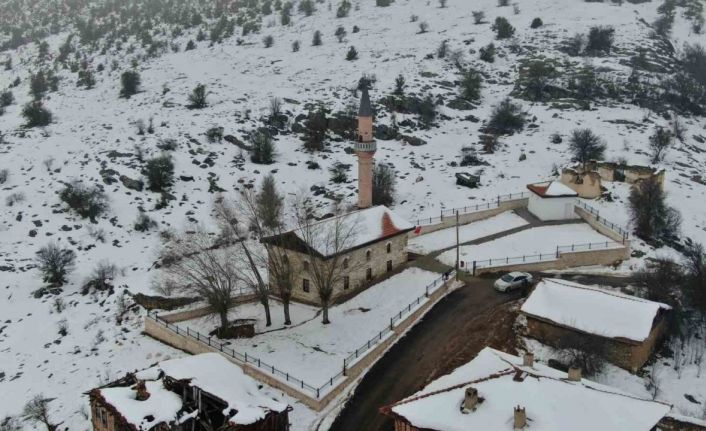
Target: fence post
point(344, 368)
point(557, 252)
point(474, 268)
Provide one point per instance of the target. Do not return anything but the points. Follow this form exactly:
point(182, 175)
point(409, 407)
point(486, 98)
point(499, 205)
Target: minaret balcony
point(367, 147)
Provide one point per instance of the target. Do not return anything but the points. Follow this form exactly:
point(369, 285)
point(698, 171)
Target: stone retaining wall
point(600, 227)
point(193, 346)
point(181, 316)
point(450, 221)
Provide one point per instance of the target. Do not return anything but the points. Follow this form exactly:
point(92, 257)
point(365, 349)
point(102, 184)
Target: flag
point(417, 230)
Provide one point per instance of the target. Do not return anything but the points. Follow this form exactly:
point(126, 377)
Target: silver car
point(513, 280)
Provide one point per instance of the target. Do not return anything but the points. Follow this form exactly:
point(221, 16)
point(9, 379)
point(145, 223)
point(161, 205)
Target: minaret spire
point(365, 148)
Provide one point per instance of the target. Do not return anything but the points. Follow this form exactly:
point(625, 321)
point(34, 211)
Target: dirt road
point(450, 328)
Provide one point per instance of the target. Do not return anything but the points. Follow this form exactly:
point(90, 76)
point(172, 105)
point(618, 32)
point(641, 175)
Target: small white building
point(552, 200)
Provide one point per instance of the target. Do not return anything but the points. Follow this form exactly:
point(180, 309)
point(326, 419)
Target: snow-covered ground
point(445, 238)
point(95, 131)
point(314, 352)
point(543, 239)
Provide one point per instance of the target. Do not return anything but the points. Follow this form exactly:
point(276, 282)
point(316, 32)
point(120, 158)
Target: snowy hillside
point(94, 138)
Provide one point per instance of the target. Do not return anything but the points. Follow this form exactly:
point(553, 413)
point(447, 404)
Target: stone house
point(552, 200)
point(376, 249)
point(499, 391)
point(624, 329)
point(195, 393)
point(588, 182)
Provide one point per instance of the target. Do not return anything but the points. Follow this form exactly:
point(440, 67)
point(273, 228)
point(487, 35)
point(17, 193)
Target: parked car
point(513, 280)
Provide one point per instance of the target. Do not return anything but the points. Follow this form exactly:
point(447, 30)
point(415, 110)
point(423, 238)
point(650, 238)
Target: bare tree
point(55, 263)
point(325, 242)
point(36, 411)
point(653, 219)
point(197, 267)
point(233, 222)
point(660, 141)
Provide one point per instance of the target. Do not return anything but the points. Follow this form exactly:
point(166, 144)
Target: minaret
point(365, 147)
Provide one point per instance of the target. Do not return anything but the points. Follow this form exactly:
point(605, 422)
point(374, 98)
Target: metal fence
point(315, 391)
point(394, 319)
point(471, 266)
point(495, 203)
point(610, 225)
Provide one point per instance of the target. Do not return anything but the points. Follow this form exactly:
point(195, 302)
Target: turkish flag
point(417, 230)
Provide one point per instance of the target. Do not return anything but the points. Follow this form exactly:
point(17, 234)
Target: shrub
point(159, 172)
point(471, 83)
point(694, 62)
point(536, 23)
point(423, 27)
point(660, 141)
point(399, 85)
point(263, 149)
point(88, 202)
point(478, 16)
point(343, 8)
point(307, 7)
point(36, 115)
point(143, 223)
point(6, 98)
point(4, 175)
point(507, 118)
point(653, 219)
point(316, 128)
point(14, 198)
point(316, 41)
point(600, 39)
point(502, 28)
point(295, 46)
point(268, 41)
point(535, 78)
point(340, 33)
point(339, 172)
point(574, 45)
point(55, 263)
point(352, 54)
point(214, 134)
point(443, 49)
point(487, 53)
point(427, 111)
point(197, 98)
point(383, 3)
point(130, 82)
point(383, 185)
point(102, 276)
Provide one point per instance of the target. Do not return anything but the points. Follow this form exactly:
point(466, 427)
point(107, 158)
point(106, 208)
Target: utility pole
point(458, 260)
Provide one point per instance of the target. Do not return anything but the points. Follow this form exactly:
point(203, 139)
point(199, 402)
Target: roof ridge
point(598, 289)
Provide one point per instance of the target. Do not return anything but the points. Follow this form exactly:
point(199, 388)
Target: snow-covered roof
point(592, 309)
point(162, 405)
point(211, 373)
point(551, 189)
point(368, 225)
point(551, 402)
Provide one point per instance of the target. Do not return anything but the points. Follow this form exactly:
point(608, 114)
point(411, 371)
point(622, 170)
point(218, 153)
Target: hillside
point(95, 138)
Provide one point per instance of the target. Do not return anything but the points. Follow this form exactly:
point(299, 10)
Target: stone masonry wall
point(565, 260)
point(450, 220)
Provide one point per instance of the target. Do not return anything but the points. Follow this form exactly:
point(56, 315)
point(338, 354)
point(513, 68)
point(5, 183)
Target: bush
point(694, 62)
point(399, 85)
point(268, 41)
point(427, 111)
point(340, 33)
point(339, 172)
point(471, 83)
point(478, 16)
point(295, 46)
point(214, 134)
point(4, 175)
point(316, 128)
point(159, 172)
point(316, 41)
point(263, 149)
point(14, 198)
point(423, 27)
point(653, 219)
point(102, 276)
point(536, 23)
point(197, 98)
point(6, 98)
point(487, 53)
point(88, 202)
point(600, 39)
point(343, 8)
point(130, 82)
point(660, 141)
point(443, 49)
point(507, 118)
point(502, 28)
point(383, 185)
point(307, 7)
point(535, 78)
point(143, 223)
point(36, 115)
point(55, 263)
point(352, 54)
point(574, 45)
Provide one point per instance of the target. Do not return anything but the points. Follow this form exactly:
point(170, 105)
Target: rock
point(186, 178)
point(66, 228)
point(32, 233)
point(460, 104)
point(237, 142)
point(132, 184)
point(114, 154)
point(413, 140)
point(108, 176)
point(37, 223)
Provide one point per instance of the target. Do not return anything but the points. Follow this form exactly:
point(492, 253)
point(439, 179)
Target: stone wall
point(188, 344)
point(358, 265)
point(669, 423)
point(565, 260)
point(195, 313)
point(625, 354)
point(598, 226)
point(587, 186)
point(471, 217)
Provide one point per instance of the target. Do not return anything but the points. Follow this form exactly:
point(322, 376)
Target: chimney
point(520, 420)
point(528, 360)
point(574, 374)
point(141, 389)
point(470, 400)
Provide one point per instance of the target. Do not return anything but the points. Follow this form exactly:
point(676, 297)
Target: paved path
point(410, 362)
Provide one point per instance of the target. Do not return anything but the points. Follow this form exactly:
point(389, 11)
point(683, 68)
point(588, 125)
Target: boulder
point(132, 184)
